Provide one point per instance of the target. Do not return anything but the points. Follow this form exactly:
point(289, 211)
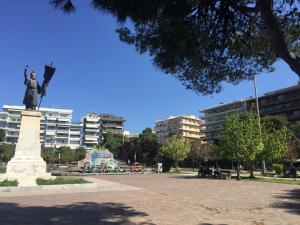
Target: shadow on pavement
point(289, 201)
point(212, 224)
point(84, 213)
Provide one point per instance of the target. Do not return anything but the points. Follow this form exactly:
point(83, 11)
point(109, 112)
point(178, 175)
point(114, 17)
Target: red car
point(135, 168)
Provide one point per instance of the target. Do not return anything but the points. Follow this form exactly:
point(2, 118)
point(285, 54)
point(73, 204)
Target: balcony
point(62, 131)
point(89, 125)
point(91, 138)
point(92, 119)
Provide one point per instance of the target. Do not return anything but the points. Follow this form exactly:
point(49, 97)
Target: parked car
point(136, 167)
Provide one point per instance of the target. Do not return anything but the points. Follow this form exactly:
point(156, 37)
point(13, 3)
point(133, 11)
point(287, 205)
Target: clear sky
point(95, 71)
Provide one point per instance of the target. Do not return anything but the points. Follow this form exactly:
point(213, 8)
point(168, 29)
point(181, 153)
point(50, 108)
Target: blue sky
point(95, 71)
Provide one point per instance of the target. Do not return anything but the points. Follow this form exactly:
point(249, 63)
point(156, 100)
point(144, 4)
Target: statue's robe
point(31, 97)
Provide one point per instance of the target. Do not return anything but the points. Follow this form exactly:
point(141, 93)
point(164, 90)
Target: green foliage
point(203, 43)
point(7, 151)
point(113, 142)
point(8, 183)
point(275, 142)
point(49, 155)
point(145, 148)
point(61, 181)
point(79, 154)
point(176, 149)
point(240, 137)
point(202, 151)
point(277, 121)
point(2, 135)
point(66, 153)
point(278, 168)
point(277, 181)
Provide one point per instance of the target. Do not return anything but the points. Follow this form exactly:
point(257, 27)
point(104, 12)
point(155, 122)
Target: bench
point(269, 174)
point(226, 174)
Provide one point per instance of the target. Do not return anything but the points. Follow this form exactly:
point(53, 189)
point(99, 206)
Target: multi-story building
point(215, 116)
point(284, 101)
point(186, 126)
point(95, 125)
point(56, 126)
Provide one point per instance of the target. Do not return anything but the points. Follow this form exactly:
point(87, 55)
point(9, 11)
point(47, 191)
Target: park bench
point(269, 174)
point(226, 173)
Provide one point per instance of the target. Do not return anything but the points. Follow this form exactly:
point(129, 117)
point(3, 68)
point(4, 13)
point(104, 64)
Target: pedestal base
point(26, 171)
point(27, 165)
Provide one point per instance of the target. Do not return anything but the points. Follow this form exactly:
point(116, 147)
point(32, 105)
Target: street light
point(256, 99)
point(258, 116)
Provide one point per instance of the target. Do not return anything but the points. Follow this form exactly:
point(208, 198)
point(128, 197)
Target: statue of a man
point(32, 90)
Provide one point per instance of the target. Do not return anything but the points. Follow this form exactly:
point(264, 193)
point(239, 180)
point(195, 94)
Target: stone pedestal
point(27, 164)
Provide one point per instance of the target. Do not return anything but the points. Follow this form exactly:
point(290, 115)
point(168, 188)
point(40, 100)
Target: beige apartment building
point(186, 126)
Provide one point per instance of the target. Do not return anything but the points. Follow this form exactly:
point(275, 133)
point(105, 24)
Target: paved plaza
point(157, 199)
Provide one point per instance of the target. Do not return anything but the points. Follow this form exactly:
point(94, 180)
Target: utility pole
point(256, 100)
point(258, 116)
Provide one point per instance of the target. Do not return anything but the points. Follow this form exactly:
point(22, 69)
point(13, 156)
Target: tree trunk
point(265, 7)
point(238, 177)
point(252, 170)
point(263, 166)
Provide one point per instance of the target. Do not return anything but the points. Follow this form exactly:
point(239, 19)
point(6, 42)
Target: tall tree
point(113, 142)
point(240, 139)
point(176, 149)
point(202, 151)
point(275, 141)
point(204, 42)
point(7, 151)
point(49, 155)
point(231, 140)
point(2, 135)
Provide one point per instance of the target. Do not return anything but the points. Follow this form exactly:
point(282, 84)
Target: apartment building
point(95, 125)
point(56, 126)
point(186, 126)
point(215, 116)
point(284, 101)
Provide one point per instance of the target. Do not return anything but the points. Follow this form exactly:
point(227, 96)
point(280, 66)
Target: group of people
point(208, 171)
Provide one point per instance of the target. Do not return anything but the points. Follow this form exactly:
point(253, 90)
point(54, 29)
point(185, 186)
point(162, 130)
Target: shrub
point(278, 168)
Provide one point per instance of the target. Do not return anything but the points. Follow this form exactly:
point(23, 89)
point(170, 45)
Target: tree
point(66, 153)
point(7, 151)
point(2, 135)
point(79, 154)
point(113, 142)
point(148, 147)
point(49, 155)
point(275, 141)
point(240, 139)
point(203, 43)
point(201, 151)
point(143, 148)
point(176, 149)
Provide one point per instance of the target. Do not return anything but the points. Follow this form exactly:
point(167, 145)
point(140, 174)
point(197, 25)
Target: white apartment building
point(95, 125)
point(56, 126)
point(187, 126)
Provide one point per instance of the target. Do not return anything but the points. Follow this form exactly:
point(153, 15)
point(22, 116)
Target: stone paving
point(159, 199)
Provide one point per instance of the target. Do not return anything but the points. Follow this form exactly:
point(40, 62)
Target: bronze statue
point(33, 87)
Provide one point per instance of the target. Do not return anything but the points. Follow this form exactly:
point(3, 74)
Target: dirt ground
point(161, 199)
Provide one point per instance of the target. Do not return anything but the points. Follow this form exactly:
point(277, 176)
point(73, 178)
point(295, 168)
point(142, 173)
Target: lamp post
point(256, 99)
point(258, 116)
